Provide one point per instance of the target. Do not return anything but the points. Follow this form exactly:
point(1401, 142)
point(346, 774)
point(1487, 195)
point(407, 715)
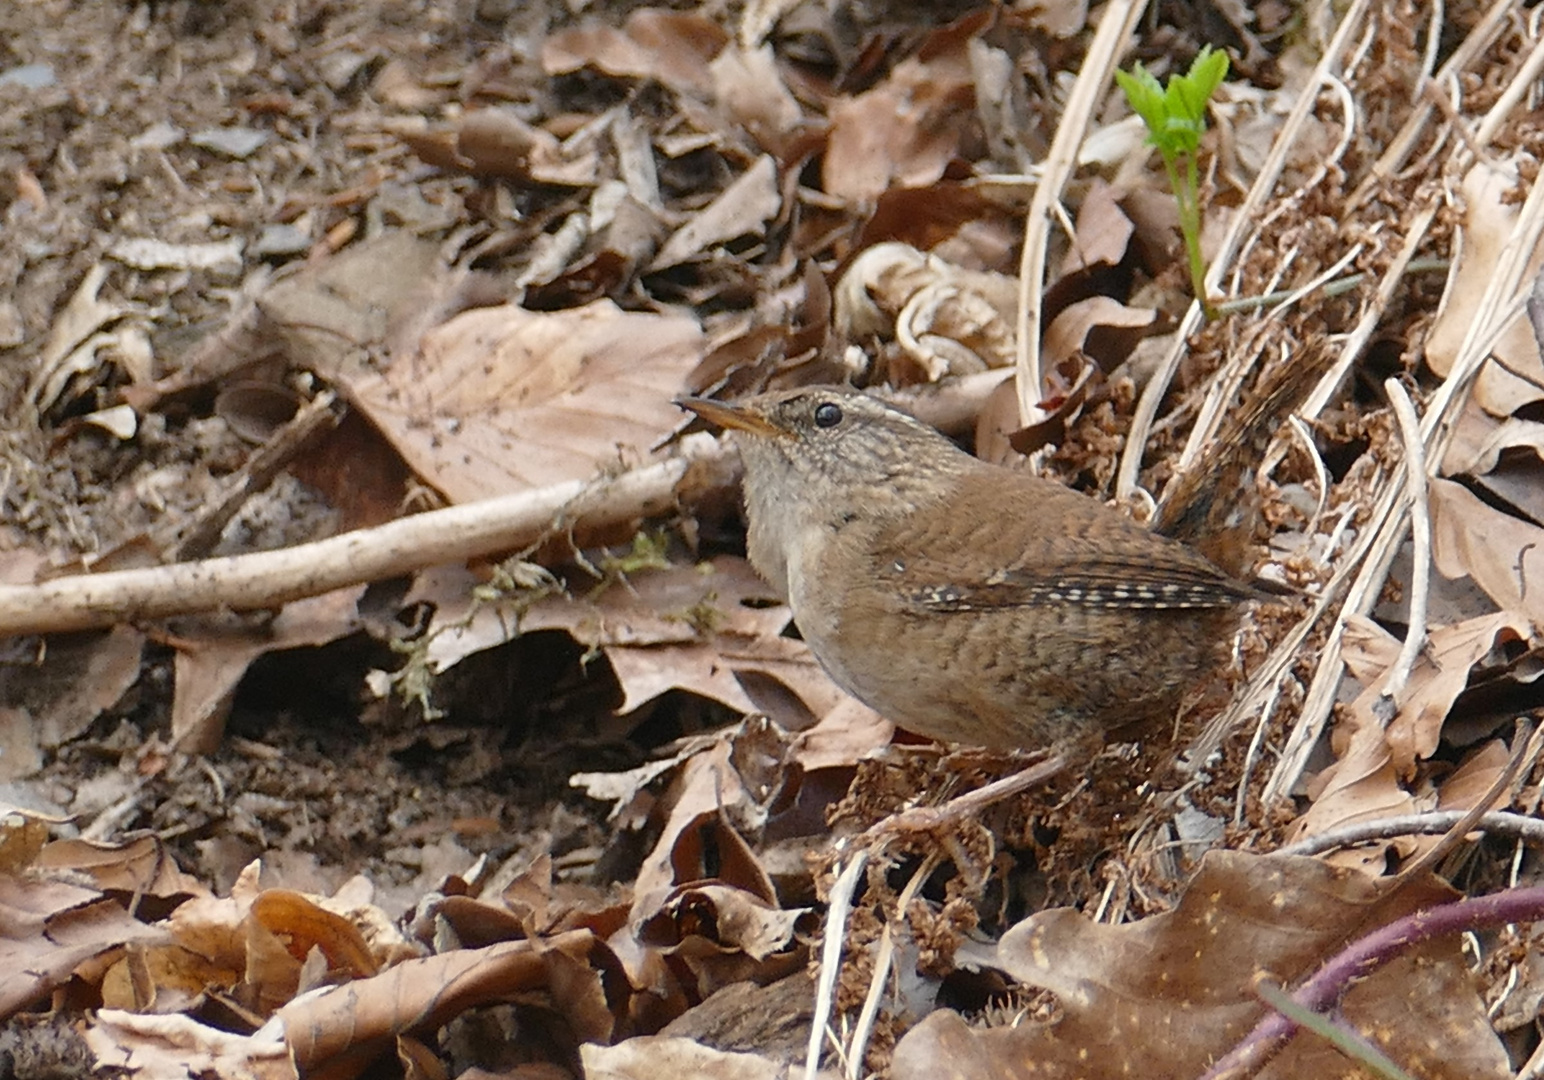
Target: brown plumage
point(964, 601)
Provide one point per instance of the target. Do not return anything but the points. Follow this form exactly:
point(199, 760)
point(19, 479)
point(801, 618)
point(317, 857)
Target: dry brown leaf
point(1474, 778)
point(1480, 439)
point(211, 926)
point(748, 86)
point(303, 926)
point(141, 865)
point(269, 936)
point(1059, 18)
point(55, 699)
point(674, 48)
point(1503, 554)
point(72, 343)
point(904, 131)
point(1361, 783)
point(1103, 232)
point(532, 905)
point(728, 917)
point(947, 319)
point(155, 1047)
point(1440, 675)
point(707, 788)
point(361, 1020)
point(1442, 672)
point(48, 928)
point(1514, 374)
point(713, 629)
point(1098, 327)
point(163, 979)
point(503, 399)
point(1367, 649)
point(1169, 994)
point(847, 734)
point(496, 142)
point(373, 298)
point(666, 606)
point(741, 209)
point(23, 832)
point(649, 1057)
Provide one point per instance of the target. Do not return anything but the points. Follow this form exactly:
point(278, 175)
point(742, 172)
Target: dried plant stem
point(837, 910)
point(1420, 539)
point(1104, 52)
point(930, 818)
point(884, 956)
point(1525, 828)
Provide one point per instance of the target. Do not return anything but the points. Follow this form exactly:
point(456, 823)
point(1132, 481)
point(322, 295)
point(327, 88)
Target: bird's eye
point(828, 414)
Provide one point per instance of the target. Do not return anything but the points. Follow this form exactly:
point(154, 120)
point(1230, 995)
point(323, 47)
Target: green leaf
point(1176, 116)
point(1143, 94)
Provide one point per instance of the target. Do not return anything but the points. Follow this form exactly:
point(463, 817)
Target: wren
point(967, 602)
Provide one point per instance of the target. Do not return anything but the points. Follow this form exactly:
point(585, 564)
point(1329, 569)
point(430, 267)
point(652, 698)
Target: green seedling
point(1175, 119)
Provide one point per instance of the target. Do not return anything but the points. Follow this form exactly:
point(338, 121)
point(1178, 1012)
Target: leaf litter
point(602, 831)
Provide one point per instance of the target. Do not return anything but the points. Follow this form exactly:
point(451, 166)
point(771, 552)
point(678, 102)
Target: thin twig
point(1527, 751)
point(930, 818)
point(1110, 40)
point(1528, 829)
point(1420, 539)
point(831, 956)
point(884, 955)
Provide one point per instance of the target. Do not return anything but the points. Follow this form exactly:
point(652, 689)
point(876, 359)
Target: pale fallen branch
point(268, 579)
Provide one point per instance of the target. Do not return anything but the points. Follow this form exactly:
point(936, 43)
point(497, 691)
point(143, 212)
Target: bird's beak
point(737, 417)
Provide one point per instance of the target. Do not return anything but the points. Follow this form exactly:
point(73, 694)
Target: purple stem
point(1361, 958)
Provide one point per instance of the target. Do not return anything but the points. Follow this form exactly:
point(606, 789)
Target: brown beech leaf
point(1514, 374)
point(130, 1045)
point(741, 209)
point(674, 48)
point(904, 131)
point(48, 928)
point(1098, 327)
point(496, 142)
point(53, 700)
point(361, 1019)
point(1474, 779)
point(649, 1057)
point(1361, 782)
point(212, 656)
point(1440, 675)
point(1503, 554)
point(1480, 439)
point(749, 87)
point(304, 925)
point(713, 629)
point(1169, 994)
point(704, 796)
point(503, 399)
point(141, 865)
point(1104, 231)
point(730, 917)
